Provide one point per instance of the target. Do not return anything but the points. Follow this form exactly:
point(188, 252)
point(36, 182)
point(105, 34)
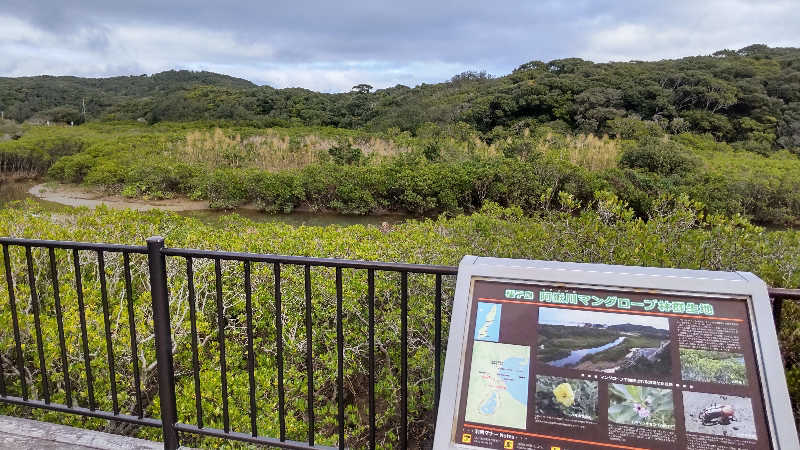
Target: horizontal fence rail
point(306, 352)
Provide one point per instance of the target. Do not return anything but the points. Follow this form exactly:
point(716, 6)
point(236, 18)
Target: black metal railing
point(247, 259)
point(89, 407)
point(171, 272)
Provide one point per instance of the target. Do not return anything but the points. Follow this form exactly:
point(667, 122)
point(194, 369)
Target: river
point(62, 198)
point(576, 355)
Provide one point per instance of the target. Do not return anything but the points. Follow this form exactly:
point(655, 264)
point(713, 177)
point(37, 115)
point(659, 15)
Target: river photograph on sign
point(605, 342)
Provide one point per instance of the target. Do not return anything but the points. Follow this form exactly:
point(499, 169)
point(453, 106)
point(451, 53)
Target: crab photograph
point(724, 415)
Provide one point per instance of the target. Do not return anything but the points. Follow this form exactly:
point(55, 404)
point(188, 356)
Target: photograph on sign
point(724, 415)
point(566, 397)
point(641, 405)
point(712, 367)
point(611, 343)
point(577, 368)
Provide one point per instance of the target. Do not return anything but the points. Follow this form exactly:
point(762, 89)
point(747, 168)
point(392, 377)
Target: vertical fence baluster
point(198, 399)
point(279, 337)
point(339, 356)
point(12, 302)
point(777, 308)
point(404, 359)
point(15, 322)
point(37, 324)
point(221, 322)
point(437, 346)
point(251, 364)
point(112, 372)
point(371, 300)
point(157, 266)
point(309, 355)
point(60, 320)
point(2, 379)
point(137, 383)
point(76, 261)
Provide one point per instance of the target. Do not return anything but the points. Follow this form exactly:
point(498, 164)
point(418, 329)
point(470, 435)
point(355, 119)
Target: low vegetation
point(681, 236)
point(438, 170)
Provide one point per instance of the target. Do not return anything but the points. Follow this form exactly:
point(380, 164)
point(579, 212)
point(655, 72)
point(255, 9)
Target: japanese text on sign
point(612, 301)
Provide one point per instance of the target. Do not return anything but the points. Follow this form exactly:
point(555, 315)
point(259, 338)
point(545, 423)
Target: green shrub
point(276, 192)
point(634, 128)
point(105, 173)
point(72, 169)
point(447, 170)
point(226, 188)
point(658, 156)
point(160, 178)
point(679, 236)
point(345, 153)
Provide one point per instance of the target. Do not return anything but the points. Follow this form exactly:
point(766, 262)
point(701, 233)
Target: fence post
point(163, 339)
point(777, 308)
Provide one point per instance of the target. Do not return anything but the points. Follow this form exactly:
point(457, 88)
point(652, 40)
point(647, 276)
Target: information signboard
point(545, 355)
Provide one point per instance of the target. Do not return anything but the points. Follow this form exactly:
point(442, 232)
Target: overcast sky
point(555, 316)
point(333, 45)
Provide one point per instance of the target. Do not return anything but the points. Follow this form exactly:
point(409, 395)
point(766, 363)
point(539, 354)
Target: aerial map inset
point(488, 322)
point(498, 385)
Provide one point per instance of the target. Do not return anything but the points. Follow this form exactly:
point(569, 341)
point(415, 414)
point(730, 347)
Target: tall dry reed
point(271, 150)
point(585, 150)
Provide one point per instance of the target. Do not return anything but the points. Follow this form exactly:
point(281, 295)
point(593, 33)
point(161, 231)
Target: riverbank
point(58, 197)
point(72, 195)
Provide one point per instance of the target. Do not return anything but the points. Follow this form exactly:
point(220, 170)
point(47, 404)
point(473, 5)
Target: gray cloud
point(332, 45)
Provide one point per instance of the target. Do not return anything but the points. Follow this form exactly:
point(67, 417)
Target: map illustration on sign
point(487, 324)
point(498, 384)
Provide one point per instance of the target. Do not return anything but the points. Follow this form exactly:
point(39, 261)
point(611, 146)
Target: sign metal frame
point(719, 285)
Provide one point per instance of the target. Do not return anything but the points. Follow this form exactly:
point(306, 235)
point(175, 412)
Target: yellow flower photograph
point(566, 397)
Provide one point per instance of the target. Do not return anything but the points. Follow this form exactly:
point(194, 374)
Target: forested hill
point(751, 95)
point(61, 98)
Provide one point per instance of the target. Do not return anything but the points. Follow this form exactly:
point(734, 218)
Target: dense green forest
point(749, 96)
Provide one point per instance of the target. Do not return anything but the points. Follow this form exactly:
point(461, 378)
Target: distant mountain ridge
point(631, 328)
point(61, 98)
point(750, 96)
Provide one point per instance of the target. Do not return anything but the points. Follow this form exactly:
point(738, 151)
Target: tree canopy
point(750, 96)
